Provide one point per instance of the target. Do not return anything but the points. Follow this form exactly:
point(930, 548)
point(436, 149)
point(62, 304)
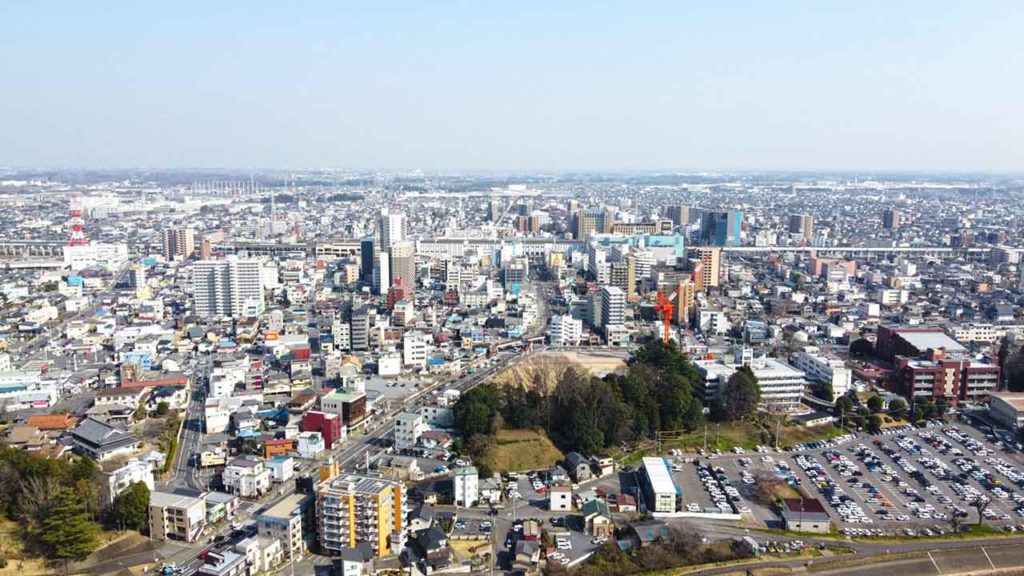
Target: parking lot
point(913, 480)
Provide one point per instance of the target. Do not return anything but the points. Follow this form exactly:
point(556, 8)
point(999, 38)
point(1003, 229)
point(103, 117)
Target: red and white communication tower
point(76, 223)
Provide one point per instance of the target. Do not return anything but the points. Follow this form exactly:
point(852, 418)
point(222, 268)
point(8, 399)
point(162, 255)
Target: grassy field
point(11, 549)
point(520, 450)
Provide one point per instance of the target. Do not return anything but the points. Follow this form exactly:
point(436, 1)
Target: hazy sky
point(928, 85)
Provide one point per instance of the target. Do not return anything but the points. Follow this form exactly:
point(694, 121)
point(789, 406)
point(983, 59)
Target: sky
point(930, 85)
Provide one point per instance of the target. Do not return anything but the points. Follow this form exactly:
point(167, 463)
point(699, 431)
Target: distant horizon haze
point(613, 87)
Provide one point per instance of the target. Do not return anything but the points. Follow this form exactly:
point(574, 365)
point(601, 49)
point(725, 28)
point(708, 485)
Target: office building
point(937, 375)
point(391, 228)
point(230, 287)
point(821, 369)
point(415, 346)
point(176, 517)
point(353, 508)
point(721, 228)
point(178, 243)
point(403, 265)
point(360, 328)
point(593, 221)
point(781, 385)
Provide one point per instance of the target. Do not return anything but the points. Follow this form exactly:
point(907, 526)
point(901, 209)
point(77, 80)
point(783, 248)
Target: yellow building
point(354, 508)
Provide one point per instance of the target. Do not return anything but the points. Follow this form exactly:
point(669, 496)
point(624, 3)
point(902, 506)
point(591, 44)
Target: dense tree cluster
point(681, 548)
point(58, 503)
point(588, 414)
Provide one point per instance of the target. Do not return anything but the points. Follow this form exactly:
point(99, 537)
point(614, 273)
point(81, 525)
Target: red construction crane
point(666, 308)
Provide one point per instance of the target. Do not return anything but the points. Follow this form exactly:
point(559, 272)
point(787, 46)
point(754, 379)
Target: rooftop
point(659, 476)
point(934, 340)
point(288, 507)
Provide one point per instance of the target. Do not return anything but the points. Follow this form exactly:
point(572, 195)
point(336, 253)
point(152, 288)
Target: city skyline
point(617, 87)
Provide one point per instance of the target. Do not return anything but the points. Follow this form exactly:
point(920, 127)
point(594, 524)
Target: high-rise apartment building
point(710, 259)
point(721, 228)
point(403, 265)
point(623, 276)
point(353, 508)
point(382, 272)
point(613, 306)
point(366, 247)
point(392, 228)
point(178, 243)
point(802, 224)
point(684, 302)
point(230, 287)
point(891, 218)
point(679, 215)
point(565, 331)
point(493, 210)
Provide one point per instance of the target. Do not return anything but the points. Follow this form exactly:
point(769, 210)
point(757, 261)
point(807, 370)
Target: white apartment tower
point(392, 228)
point(613, 306)
point(229, 287)
point(565, 331)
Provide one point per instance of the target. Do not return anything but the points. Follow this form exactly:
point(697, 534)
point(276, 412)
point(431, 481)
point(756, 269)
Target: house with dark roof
point(432, 546)
point(578, 467)
point(101, 440)
point(805, 515)
point(645, 533)
point(354, 561)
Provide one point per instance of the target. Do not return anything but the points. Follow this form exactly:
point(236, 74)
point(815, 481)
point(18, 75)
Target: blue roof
point(75, 280)
point(438, 361)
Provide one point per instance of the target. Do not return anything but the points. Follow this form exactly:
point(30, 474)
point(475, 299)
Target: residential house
point(261, 553)
point(247, 478)
point(578, 467)
point(597, 518)
point(121, 479)
point(102, 441)
point(560, 498)
point(432, 547)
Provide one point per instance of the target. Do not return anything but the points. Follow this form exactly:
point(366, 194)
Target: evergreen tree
point(68, 531)
point(742, 393)
point(131, 507)
point(875, 404)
